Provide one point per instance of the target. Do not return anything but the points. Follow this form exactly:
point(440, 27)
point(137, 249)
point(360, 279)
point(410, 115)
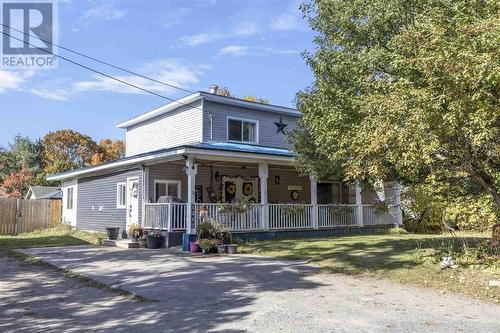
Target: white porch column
point(145, 192)
point(399, 212)
point(191, 171)
point(263, 176)
point(359, 206)
point(314, 201)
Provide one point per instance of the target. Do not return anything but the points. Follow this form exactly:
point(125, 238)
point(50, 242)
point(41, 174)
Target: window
point(167, 188)
point(121, 195)
point(242, 130)
point(69, 200)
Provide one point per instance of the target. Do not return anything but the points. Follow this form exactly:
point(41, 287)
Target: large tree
point(404, 89)
point(108, 150)
point(27, 153)
point(66, 149)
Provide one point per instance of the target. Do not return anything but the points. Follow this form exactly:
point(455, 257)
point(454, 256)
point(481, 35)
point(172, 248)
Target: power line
point(99, 61)
point(101, 73)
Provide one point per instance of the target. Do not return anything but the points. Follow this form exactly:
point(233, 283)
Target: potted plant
point(113, 232)
point(135, 232)
point(142, 241)
point(232, 248)
point(194, 247)
point(222, 248)
point(209, 245)
point(153, 240)
point(204, 230)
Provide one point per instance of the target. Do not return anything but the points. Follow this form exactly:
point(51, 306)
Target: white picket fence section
point(173, 216)
point(290, 216)
point(165, 216)
point(373, 215)
point(331, 216)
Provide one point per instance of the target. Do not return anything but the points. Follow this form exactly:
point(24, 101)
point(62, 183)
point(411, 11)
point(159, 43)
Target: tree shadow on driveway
point(190, 293)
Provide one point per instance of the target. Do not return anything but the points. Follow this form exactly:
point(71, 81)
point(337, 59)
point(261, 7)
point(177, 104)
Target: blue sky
point(251, 47)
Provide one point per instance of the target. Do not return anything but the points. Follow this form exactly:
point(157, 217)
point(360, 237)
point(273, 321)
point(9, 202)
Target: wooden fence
point(19, 215)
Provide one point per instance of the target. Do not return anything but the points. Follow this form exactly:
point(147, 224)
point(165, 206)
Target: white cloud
point(200, 38)
point(240, 50)
point(289, 20)
point(58, 89)
point(105, 11)
point(168, 71)
point(242, 29)
point(234, 50)
point(245, 29)
point(13, 80)
point(173, 17)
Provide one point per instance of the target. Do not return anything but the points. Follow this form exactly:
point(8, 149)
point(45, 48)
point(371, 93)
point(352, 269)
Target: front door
point(324, 193)
point(236, 188)
point(132, 201)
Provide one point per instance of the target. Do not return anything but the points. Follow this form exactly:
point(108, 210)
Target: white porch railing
point(331, 216)
point(165, 216)
point(290, 216)
point(250, 220)
point(172, 216)
point(373, 215)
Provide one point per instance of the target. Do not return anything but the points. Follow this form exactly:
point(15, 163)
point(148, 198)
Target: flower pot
point(153, 242)
point(113, 232)
point(222, 248)
point(142, 242)
point(194, 247)
point(133, 239)
point(232, 248)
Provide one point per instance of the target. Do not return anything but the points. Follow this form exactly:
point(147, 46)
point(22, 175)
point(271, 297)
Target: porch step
point(121, 243)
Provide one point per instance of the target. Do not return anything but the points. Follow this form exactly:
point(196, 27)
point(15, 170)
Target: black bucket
point(113, 232)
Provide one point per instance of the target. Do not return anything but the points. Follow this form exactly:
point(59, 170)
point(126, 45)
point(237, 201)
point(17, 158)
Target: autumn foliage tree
point(17, 183)
point(108, 150)
point(66, 149)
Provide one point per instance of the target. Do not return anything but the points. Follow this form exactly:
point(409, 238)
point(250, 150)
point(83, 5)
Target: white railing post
point(264, 209)
point(314, 201)
point(399, 212)
point(359, 206)
point(191, 171)
point(169, 217)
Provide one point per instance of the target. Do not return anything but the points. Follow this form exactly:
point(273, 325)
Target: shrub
point(209, 245)
point(205, 230)
point(397, 231)
point(135, 230)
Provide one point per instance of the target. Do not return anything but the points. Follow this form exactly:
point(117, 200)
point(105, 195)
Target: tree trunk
point(490, 188)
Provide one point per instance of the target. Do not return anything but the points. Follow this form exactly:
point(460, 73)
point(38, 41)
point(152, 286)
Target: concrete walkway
point(219, 294)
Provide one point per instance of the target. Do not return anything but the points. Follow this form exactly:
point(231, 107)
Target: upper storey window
point(242, 130)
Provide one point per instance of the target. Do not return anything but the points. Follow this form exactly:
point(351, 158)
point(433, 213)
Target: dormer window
point(242, 130)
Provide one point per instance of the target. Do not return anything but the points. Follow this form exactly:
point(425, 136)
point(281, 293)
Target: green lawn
point(62, 236)
point(410, 258)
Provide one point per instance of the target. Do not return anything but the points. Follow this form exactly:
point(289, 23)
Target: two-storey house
point(204, 150)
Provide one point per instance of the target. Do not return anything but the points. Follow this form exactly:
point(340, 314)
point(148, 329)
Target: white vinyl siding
point(215, 124)
point(121, 195)
point(175, 128)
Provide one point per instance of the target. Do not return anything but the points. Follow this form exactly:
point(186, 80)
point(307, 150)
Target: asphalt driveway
point(223, 294)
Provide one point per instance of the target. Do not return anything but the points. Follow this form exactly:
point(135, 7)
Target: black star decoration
point(281, 126)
